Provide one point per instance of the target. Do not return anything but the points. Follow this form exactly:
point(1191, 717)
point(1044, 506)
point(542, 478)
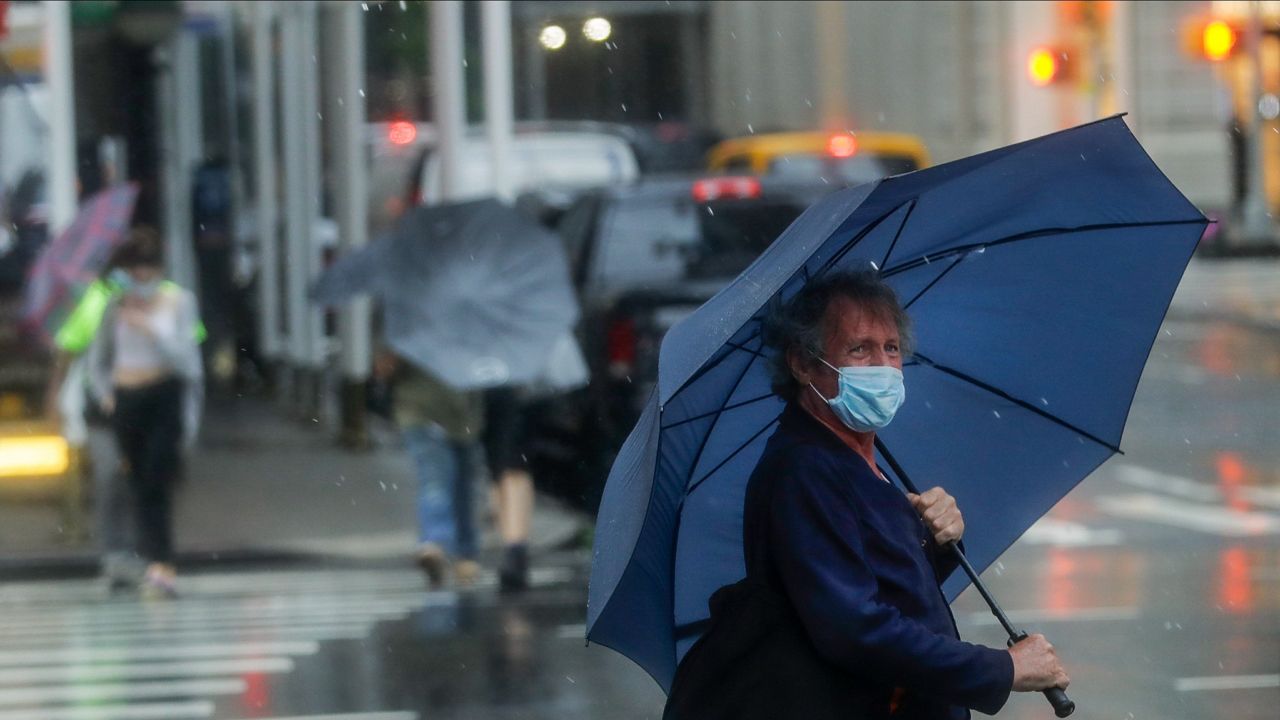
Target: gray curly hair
point(800, 322)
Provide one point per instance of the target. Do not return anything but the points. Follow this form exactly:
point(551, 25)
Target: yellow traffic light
point(1043, 67)
point(1218, 40)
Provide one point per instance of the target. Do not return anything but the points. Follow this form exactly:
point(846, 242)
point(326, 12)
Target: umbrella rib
point(731, 456)
point(912, 206)
point(707, 437)
point(1017, 401)
point(714, 363)
point(726, 408)
point(1032, 234)
point(853, 241)
point(933, 282)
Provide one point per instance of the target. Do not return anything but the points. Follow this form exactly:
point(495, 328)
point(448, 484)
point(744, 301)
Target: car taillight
point(620, 347)
point(726, 188)
point(401, 132)
point(842, 146)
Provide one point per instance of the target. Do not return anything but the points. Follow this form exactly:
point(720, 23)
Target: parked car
point(643, 257)
point(841, 158)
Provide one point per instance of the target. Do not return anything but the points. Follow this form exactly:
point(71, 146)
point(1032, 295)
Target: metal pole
point(345, 113)
point(265, 185)
point(450, 105)
point(495, 17)
point(1256, 224)
point(62, 115)
point(309, 115)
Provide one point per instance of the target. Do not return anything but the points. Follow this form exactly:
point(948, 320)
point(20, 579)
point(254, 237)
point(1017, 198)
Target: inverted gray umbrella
point(475, 293)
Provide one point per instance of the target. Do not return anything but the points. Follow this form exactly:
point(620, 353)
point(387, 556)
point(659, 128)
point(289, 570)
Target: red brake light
point(402, 132)
point(842, 146)
point(726, 188)
point(620, 346)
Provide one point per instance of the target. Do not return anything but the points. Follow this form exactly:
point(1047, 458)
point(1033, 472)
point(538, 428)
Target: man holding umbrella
point(855, 560)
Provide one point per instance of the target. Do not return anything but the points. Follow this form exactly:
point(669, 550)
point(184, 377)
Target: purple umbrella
point(73, 260)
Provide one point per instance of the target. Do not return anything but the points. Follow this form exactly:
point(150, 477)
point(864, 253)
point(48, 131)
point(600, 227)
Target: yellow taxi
point(846, 158)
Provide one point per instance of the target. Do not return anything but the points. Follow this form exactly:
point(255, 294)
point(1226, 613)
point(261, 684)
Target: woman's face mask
point(130, 285)
point(868, 396)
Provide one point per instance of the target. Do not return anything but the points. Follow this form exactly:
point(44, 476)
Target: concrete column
point(450, 93)
point(182, 147)
point(348, 187)
point(832, 38)
point(62, 115)
point(266, 186)
point(535, 67)
point(309, 116)
point(495, 18)
point(298, 217)
point(1255, 227)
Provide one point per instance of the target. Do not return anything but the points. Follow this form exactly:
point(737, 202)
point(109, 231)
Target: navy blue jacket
point(860, 568)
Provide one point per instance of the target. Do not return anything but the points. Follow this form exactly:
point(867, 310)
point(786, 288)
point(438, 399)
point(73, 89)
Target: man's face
point(854, 338)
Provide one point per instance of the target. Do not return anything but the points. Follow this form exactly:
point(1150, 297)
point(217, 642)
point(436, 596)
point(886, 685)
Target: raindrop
point(1044, 402)
point(733, 35)
point(808, 102)
point(404, 5)
point(464, 60)
point(996, 413)
point(364, 7)
point(341, 103)
point(361, 92)
point(1066, 464)
point(1186, 440)
point(571, 680)
point(659, 116)
point(319, 116)
point(1082, 157)
point(881, 117)
point(928, 404)
point(382, 485)
point(710, 211)
point(874, 266)
point(1166, 332)
point(751, 129)
point(624, 107)
point(202, 226)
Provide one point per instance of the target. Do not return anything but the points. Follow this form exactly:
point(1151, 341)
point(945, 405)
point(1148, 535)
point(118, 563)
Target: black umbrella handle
point(1062, 705)
point(1057, 697)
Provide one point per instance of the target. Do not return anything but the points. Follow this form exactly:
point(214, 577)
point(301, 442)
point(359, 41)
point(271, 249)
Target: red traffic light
point(402, 132)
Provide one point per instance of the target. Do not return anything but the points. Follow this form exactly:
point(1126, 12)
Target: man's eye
point(892, 349)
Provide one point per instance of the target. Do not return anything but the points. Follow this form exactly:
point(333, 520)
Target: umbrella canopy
point(475, 292)
point(1036, 277)
point(69, 264)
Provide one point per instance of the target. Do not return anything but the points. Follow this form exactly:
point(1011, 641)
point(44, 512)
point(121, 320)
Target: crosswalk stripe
point(336, 631)
point(1227, 682)
point(1191, 516)
point(353, 716)
point(132, 711)
point(246, 615)
point(142, 671)
point(92, 629)
point(191, 606)
point(1064, 533)
point(167, 651)
point(1189, 489)
point(102, 692)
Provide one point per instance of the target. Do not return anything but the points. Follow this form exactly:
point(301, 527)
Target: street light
point(597, 29)
point(553, 37)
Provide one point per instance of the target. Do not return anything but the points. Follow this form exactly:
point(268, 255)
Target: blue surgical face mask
point(145, 290)
point(868, 396)
point(121, 279)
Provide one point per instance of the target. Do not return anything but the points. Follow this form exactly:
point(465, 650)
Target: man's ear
point(798, 362)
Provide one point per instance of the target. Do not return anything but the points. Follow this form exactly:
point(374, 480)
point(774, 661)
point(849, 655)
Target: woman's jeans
point(148, 427)
point(446, 472)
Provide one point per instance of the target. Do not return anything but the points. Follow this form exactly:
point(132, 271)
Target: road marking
point(133, 711)
point(101, 692)
point(84, 656)
point(244, 617)
point(1189, 489)
point(141, 671)
point(1029, 617)
point(1191, 516)
point(1064, 533)
point(339, 631)
point(1227, 682)
point(406, 715)
point(244, 624)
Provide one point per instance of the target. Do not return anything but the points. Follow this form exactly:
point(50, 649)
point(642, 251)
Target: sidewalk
point(262, 485)
point(1245, 291)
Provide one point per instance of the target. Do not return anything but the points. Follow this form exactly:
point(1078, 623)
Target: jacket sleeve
point(814, 533)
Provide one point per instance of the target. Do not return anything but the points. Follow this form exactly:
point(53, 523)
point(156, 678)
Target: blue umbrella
point(1036, 277)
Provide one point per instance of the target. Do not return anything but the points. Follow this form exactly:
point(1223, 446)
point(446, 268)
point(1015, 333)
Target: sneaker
point(433, 562)
point(159, 587)
point(466, 572)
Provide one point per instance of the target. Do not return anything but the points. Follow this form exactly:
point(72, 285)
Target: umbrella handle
point(1057, 697)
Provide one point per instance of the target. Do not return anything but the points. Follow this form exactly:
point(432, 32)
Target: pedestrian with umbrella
point(1035, 277)
point(475, 296)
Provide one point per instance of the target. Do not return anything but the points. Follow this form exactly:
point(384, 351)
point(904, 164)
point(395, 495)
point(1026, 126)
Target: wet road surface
point(1158, 579)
